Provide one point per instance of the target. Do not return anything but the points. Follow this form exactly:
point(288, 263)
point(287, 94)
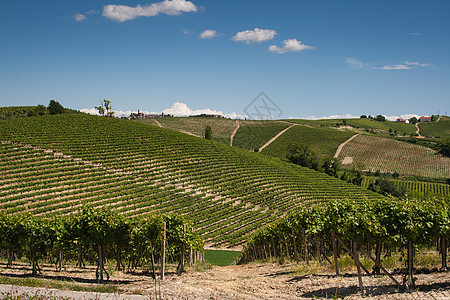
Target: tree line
point(53, 108)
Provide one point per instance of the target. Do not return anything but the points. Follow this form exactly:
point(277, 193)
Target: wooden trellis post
point(163, 250)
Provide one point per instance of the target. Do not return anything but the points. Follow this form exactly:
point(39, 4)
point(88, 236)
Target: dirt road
point(275, 137)
point(238, 124)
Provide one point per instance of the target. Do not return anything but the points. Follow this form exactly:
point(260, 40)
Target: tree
point(357, 180)
point(445, 147)
point(208, 132)
point(101, 110)
point(105, 108)
point(363, 117)
point(55, 108)
point(41, 109)
point(331, 167)
point(97, 227)
point(380, 118)
point(301, 155)
point(413, 120)
point(386, 187)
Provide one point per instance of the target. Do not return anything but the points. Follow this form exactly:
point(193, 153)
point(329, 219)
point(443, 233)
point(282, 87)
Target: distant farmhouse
point(141, 115)
point(424, 119)
point(400, 120)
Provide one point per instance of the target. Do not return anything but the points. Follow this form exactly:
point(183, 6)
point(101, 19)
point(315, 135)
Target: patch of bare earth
point(347, 160)
point(260, 281)
point(270, 281)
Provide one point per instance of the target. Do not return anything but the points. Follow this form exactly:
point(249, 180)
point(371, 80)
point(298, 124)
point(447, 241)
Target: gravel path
point(238, 124)
point(339, 149)
point(275, 137)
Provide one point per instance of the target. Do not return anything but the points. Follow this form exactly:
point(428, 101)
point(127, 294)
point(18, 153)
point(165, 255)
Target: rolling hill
point(53, 164)
point(438, 130)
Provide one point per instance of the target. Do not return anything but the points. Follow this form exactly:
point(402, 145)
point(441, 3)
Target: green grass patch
point(58, 284)
point(221, 257)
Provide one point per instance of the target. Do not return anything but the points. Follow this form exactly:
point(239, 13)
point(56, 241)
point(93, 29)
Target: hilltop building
point(141, 115)
point(400, 120)
point(424, 119)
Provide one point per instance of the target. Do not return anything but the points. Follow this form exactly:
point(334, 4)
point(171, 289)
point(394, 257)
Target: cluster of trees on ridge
point(53, 108)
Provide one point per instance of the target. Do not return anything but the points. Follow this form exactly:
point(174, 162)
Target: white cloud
point(346, 116)
point(407, 65)
point(417, 64)
point(91, 111)
point(181, 109)
point(208, 34)
point(187, 31)
point(354, 63)
point(123, 13)
point(404, 116)
point(394, 67)
point(234, 115)
point(254, 36)
point(178, 109)
point(79, 17)
point(291, 45)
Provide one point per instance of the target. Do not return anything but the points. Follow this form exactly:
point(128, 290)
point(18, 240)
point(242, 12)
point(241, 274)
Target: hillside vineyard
point(51, 165)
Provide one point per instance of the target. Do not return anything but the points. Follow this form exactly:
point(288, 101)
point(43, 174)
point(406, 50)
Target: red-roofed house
point(425, 119)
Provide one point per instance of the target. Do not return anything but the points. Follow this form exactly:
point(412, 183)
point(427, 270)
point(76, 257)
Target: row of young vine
point(97, 235)
point(365, 227)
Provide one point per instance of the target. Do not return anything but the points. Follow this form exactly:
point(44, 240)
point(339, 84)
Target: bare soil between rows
point(256, 281)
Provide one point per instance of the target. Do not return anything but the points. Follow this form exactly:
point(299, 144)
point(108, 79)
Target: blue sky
point(312, 58)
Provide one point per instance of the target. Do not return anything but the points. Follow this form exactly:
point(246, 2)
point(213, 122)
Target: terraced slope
point(386, 155)
point(221, 128)
point(323, 141)
point(52, 164)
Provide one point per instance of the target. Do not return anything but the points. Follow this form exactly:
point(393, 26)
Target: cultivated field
point(323, 141)
point(253, 134)
point(439, 129)
point(373, 153)
point(221, 128)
